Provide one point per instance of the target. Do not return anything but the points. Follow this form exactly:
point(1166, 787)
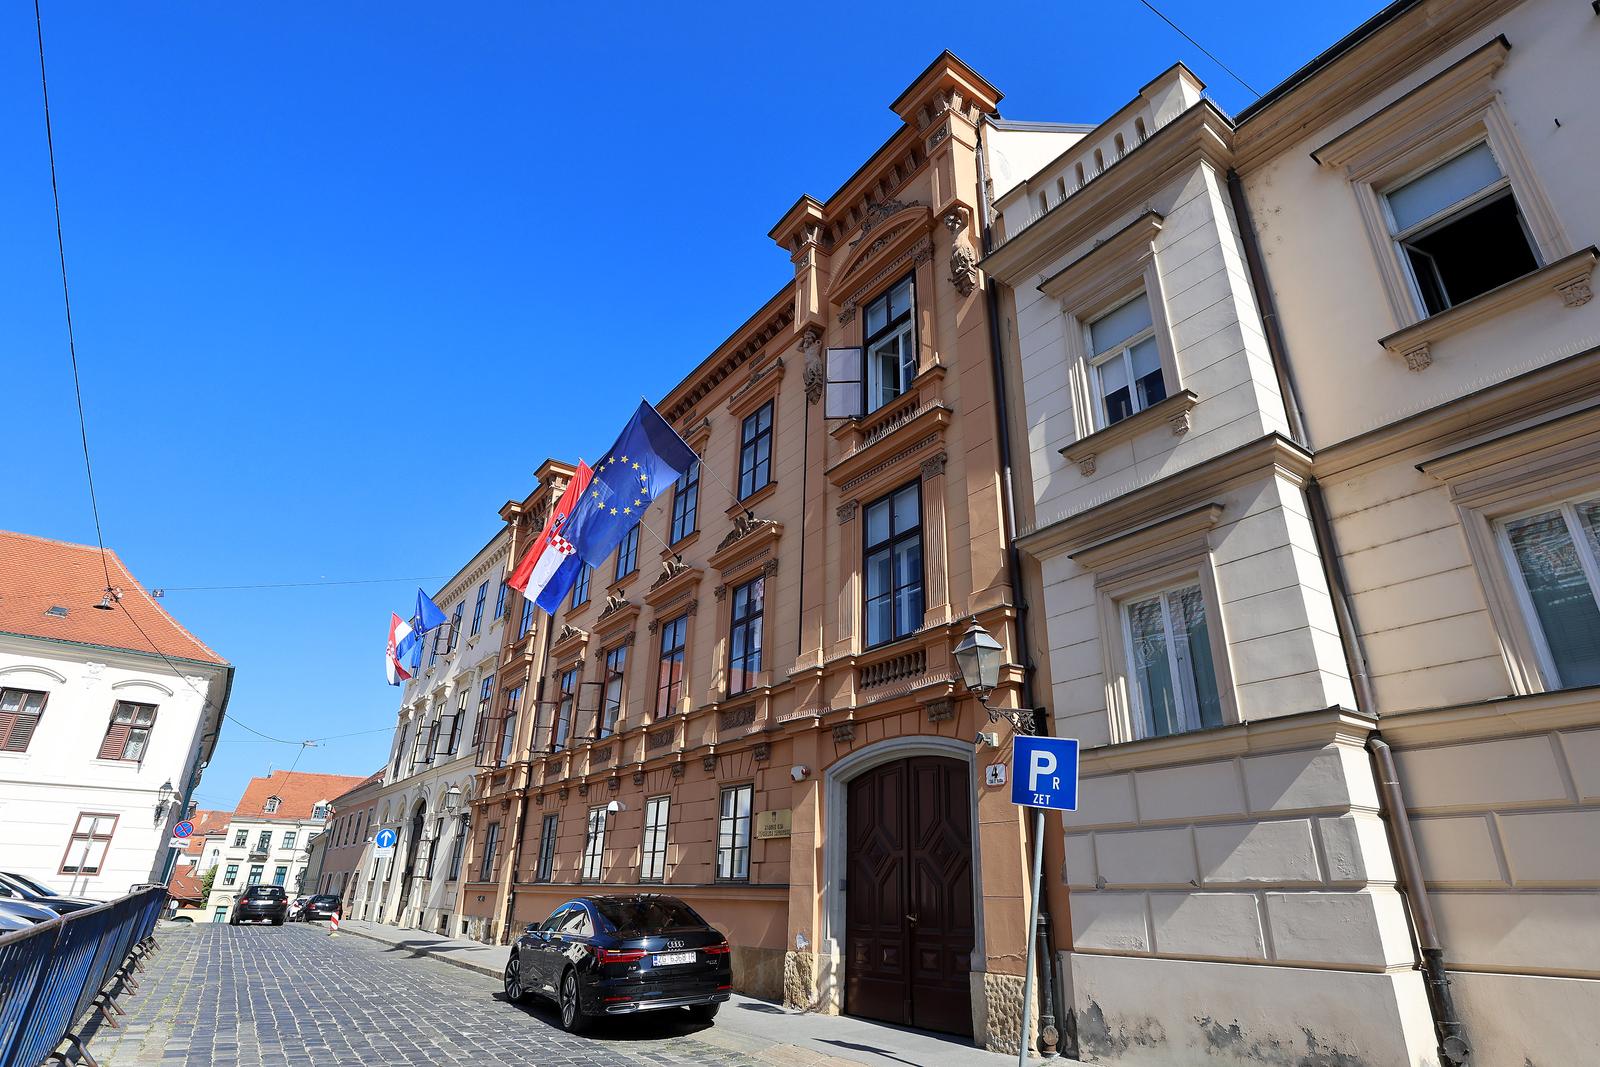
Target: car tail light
point(718, 950)
point(620, 955)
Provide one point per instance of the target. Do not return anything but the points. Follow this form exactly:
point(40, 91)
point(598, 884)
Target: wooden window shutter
point(116, 740)
point(16, 731)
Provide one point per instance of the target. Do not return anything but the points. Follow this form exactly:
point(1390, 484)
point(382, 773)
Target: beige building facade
point(1307, 398)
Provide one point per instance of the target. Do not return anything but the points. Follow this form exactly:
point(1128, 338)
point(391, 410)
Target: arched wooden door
point(909, 930)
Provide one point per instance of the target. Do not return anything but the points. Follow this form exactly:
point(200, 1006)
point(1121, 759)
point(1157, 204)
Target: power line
point(66, 295)
point(1207, 52)
point(303, 585)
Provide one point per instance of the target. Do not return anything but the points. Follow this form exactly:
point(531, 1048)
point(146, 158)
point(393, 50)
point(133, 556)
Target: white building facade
point(428, 782)
point(101, 739)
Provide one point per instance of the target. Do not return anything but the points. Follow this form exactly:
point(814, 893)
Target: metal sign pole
point(1032, 964)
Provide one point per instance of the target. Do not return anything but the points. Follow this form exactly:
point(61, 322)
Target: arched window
point(1099, 161)
point(271, 805)
point(1079, 172)
point(1139, 130)
point(1122, 147)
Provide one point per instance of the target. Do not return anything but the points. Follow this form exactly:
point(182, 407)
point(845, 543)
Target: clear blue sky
point(319, 251)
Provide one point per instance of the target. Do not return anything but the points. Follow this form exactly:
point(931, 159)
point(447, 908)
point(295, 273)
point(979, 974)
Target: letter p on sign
point(1045, 772)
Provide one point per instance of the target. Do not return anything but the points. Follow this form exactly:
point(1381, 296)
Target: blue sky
point(319, 253)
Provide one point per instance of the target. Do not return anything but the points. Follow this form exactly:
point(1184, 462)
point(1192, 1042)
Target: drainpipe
point(1049, 1033)
point(1453, 1046)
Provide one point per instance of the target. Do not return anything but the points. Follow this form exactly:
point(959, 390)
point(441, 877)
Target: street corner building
point(109, 711)
point(753, 704)
point(1309, 506)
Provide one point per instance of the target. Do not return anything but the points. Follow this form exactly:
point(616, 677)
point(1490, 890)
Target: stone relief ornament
point(963, 268)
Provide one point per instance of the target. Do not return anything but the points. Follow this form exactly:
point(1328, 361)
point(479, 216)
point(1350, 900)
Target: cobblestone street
point(221, 996)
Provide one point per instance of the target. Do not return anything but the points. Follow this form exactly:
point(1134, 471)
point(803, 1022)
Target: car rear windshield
point(324, 899)
point(265, 891)
point(646, 915)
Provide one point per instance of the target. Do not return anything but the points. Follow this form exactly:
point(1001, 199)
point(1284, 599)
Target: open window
point(1459, 229)
point(1125, 362)
point(861, 380)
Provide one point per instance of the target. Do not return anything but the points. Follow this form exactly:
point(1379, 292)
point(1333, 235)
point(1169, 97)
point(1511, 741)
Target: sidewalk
point(766, 1032)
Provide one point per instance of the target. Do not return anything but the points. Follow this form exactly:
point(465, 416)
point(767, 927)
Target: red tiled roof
point(186, 883)
point(37, 574)
point(206, 824)
point(297, 793)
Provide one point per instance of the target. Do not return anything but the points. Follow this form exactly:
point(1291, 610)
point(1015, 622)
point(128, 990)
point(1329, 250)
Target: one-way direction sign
point(1044, 772)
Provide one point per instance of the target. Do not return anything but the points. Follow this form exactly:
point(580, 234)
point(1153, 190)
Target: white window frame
point(1124, 352)
point(1140, 716)
point(1566, 506)
point(653, 844)
point(728, 827)
point(594, 845)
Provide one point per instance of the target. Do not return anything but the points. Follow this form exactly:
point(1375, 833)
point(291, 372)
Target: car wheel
point(704, 1013)
point(513, 977)
point(278, 921)
point(573, 1020)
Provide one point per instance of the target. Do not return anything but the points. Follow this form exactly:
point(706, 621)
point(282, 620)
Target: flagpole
point(705, 470)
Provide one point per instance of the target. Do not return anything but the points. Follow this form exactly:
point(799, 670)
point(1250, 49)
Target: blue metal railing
point(53, 973)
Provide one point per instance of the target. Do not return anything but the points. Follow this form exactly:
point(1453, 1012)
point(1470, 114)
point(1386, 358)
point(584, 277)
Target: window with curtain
point(686, 503)
point(744, 637)
point(653, 855)
point(755, 450)
point(669, 677)
point(1556, 557)
point(893, 565)
point(594, 845)
point(128, 733)
point(20, 711)
point(1173, 680)
point(1125, 362)
point(733, 833)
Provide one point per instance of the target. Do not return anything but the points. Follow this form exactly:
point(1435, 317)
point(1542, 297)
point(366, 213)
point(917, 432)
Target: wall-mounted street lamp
point(978, 658)
point(452, 798)
point(164, 797)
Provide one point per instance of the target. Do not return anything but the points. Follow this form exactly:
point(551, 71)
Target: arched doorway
point(909, 922)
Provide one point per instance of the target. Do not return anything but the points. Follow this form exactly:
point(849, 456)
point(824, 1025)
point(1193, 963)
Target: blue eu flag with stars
point(647, 458)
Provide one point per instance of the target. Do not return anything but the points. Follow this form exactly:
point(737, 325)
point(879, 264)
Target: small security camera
point(799, 773)
point(987, 740)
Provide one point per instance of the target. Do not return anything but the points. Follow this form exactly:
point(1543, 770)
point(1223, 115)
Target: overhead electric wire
point(66, 295)
point(1206, 51)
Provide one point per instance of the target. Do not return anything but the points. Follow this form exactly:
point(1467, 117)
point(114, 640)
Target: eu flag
point(647, 458)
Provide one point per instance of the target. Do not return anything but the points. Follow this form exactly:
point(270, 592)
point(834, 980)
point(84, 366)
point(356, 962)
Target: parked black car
point(321, 906)
point(261, 903)
point(614, 955)
point(34, 893)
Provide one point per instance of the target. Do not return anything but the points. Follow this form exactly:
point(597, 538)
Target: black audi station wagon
point(615, 955)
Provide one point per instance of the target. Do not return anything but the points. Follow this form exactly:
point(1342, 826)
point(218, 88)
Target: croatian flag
point(399, 630)
point(550, 566)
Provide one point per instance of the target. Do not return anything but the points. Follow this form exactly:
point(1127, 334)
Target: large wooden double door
point(909, 929)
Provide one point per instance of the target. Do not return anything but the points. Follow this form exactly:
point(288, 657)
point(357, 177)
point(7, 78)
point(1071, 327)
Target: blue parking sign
point(1044, 772)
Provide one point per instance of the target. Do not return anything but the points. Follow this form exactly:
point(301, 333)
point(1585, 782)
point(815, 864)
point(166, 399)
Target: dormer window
point(271, 805)
point(320, 811)
point(1460, 230)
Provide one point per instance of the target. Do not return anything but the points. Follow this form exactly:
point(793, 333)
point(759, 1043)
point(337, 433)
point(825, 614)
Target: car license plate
point(671, 959)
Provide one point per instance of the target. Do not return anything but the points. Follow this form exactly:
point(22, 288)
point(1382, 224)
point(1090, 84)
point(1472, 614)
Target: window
point(733, 833)
point(1556, 557)
point(628, 554)
point(477, 608)
point(1459, 229)
point(240, 837)
point(547, 849)
point(221, 914)
point(254, 877)
point(755, 451)
point(263, 842)
point(422, 751)
point(319, 810)
point(89, 843)
point(500, 600)
point(454, 637)
point(580, 588)
point(20, 710)
point(594, 845)
point(744, 639)
point(653, 859)
point(231, 875)
point(1174, 682)
point(890, 346)
point(288, 839)
point(527, 619)
point(491, 846)
point(485, 699)
point(893, 530)
point(611, 698)
point(128, 734)
point(399, 751)
point(686, 503)
point(561, 729)
point(669, 681)
point(271, 805)
point(508, 728)
point(432, 847)
point(458, 847)
point(1125, 364)
point(452, 725)
point(280, 875)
